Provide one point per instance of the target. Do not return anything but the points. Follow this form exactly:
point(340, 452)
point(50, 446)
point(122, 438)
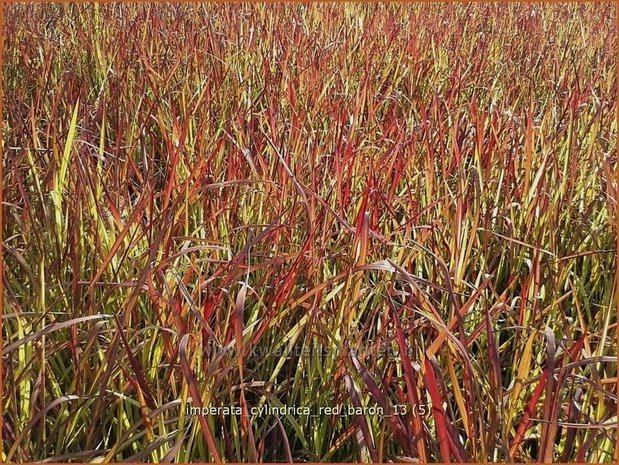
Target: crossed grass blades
point(210, 205)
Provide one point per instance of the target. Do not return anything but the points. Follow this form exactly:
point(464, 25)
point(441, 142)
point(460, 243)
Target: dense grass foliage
point(387, 206)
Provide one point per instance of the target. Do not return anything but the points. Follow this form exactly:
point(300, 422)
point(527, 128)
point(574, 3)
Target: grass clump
point(401, 207)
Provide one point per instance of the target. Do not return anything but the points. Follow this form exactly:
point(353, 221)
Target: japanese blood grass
point(313, 206)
